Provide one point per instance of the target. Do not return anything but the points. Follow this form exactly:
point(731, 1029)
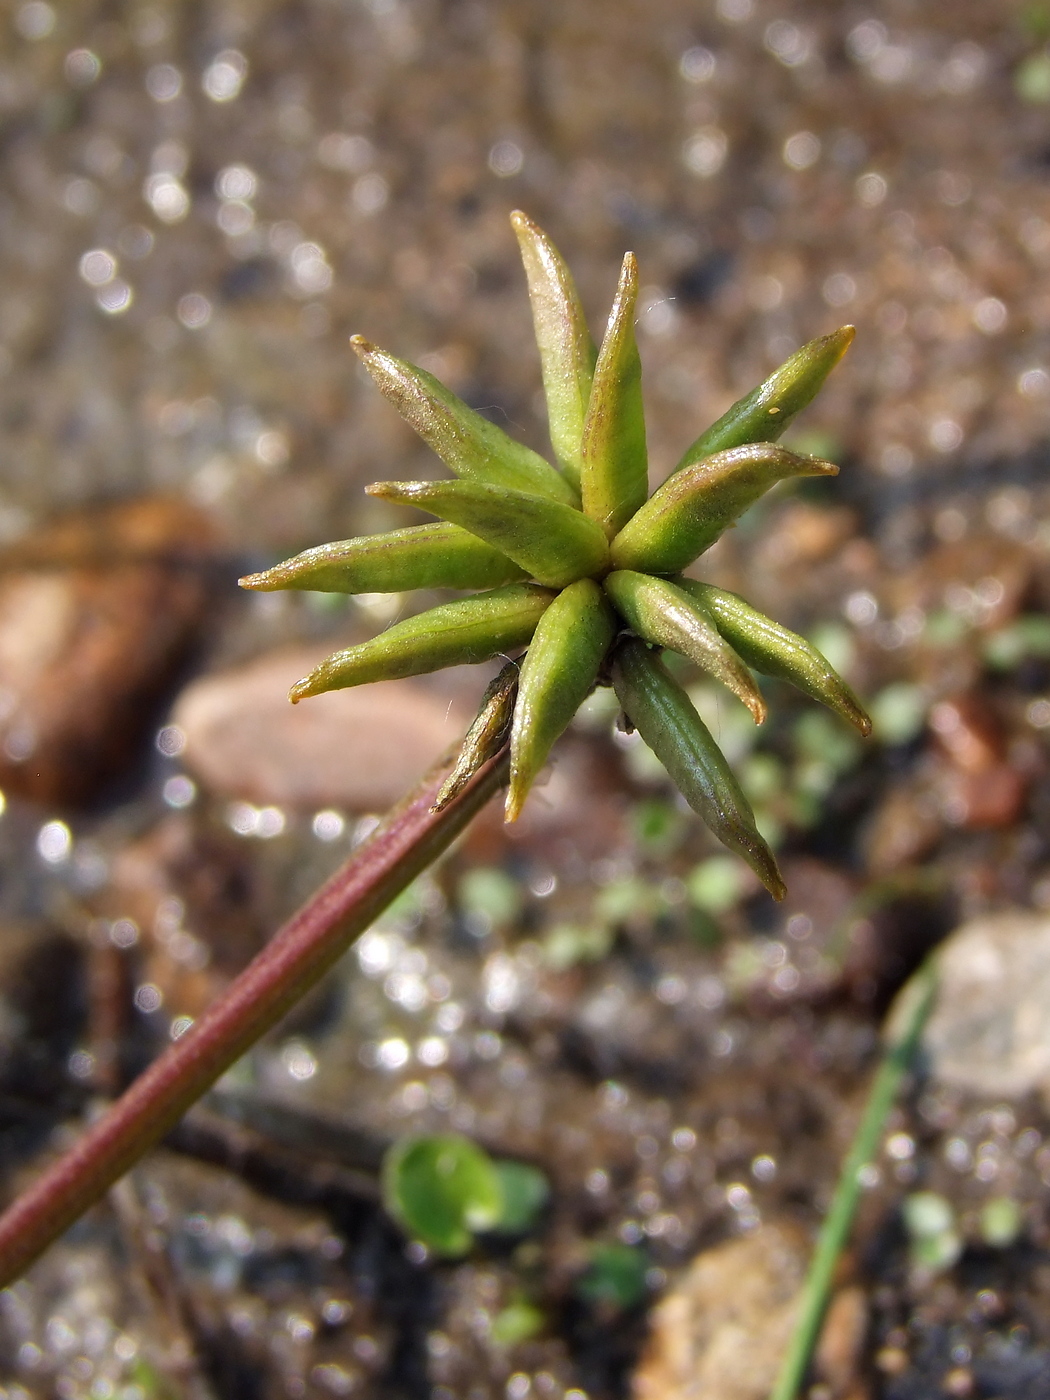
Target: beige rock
point(361, 748)
point(989, 1031)
point(721, 1332)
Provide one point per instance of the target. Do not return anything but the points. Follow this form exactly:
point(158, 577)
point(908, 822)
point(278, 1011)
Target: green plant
point(901, 1036)
point(615, 1277)
point(445, 1189)
point(577, 565)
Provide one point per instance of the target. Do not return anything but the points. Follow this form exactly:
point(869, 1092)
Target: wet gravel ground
point(199, 204)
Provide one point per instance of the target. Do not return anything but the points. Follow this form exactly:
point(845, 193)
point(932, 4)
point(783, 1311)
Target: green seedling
point(934, 1242)
point(577, 563)
point(1001, 1222)
point(517, 1322)
point(446, 1189)
point(615, 1277)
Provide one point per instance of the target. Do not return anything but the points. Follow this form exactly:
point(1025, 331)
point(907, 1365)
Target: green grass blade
point(901, 1043)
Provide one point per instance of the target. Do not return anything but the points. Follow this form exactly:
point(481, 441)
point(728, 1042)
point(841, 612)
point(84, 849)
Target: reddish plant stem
point(402, 846)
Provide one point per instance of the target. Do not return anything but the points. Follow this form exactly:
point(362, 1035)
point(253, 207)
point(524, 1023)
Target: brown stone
point(96, 614)
point(361, 748)
point(186, 889)
point(721, 1332)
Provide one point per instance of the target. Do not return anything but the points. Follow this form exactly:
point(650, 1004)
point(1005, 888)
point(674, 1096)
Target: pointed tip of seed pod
point(862, 722)
point(360, 346)
point(764, 863)
point(513, 805)
point(262, 580)
point(628, 274)
point(386, 489)
point(448, 790)
point(302, 690)
point(774, 883)
point(521, 223)
point(758, 708)
point(817, 466)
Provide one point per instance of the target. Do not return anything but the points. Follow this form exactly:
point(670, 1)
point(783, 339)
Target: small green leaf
point(716, 884)
point(616, 1276)
point(442, 1189)
point(775, 651)
point(466, 631)
point(614, 479)
point(668, 616)
point(685, 515)
point(424, 556)
point(898, 712)
point(1001, 1222)
point(762, 415)
point(567, 352)
point(558, 671)
point(660, 709)
point(553, 543)
point(525, 1193)
point(1032, 78)
point(517, 1322)
point(485, 737)
point(927, 1214)
point(469, 445)
point(490, 894)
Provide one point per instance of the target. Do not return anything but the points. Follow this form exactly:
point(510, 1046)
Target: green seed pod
point(614, 480)
point(775, 651)
point(552, 543)
point(663, 614)
point(557, 674)
point(762, 415)
point(692, 508)
point(567, 352)
point(486, 735)
point(664, 716)
point(469, 445)
point(466, 631)
point(423, 556)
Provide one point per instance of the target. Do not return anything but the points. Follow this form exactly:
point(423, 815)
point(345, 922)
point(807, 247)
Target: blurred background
point(199, 203)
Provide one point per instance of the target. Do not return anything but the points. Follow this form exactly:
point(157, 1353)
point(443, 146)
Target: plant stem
point(402, 846)
point(901, 1041)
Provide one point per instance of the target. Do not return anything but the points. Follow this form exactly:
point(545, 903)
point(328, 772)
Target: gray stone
point(989, 1031)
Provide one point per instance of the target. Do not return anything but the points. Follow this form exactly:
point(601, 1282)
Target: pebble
point(720, 1333)
point(362, 748)
point(989, 1032)
point(97, 611)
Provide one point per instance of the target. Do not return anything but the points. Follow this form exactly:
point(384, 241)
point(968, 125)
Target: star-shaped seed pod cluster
point(577, 563)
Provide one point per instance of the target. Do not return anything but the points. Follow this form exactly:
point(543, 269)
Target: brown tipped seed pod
point(575, 566)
